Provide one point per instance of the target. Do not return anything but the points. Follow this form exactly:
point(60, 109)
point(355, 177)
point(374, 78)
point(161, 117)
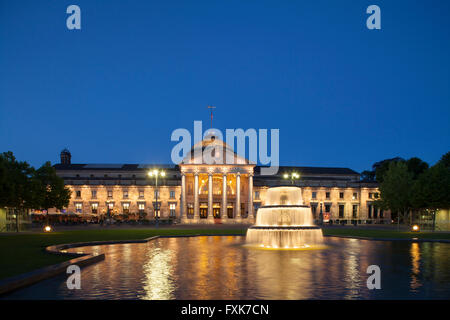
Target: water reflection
point(222, 268)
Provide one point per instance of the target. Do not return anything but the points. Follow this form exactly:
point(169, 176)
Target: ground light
point(415, 228)
point(47, 229)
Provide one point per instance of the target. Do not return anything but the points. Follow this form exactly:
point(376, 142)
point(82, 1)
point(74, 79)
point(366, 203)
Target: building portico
point(217, 193)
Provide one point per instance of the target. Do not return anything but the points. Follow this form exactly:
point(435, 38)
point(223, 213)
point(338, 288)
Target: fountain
point(284, 222)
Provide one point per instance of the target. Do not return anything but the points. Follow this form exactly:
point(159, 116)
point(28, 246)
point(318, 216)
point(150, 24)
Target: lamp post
point(155, 174)
point(293, 176)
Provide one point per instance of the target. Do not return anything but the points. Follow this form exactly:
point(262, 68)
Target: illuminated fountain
point(284, 222)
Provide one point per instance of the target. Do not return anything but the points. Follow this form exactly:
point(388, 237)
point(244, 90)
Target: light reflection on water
point(222, 268)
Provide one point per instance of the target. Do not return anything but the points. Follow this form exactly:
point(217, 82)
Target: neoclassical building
point(194, 192)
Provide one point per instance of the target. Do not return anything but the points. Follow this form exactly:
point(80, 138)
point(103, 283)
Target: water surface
point(222, 268)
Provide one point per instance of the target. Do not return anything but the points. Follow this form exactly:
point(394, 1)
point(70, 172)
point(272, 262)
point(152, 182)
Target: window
point(327, 207)
point(376, 195)
point(126, 207)
point(141, 207)
point(370, 195)
point(141, 194)
point(79, 207)
point(327, 195)
point(94, 194)
point(314, 210)
point(94, 208)
point(172, 207)
point(157, 209)
point(341, 195)
point(78, 193)
point(156, 193)
point(110, 193)
point(190, 209)
point(257, 195)
point(369, 211)
point(355, 196)
point(106, 176)
point(110, 205)
point(125, 194)
point(92, 175)
point(314, 195)
point(355, 211)
point(341, 211)
point(172, 194)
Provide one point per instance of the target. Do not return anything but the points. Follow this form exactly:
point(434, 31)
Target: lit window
point(110, 194)
point(141, 194)
point(94, 208)
point(141, 206)
point(79, 207)
point(355, 196)
point(172, 207)
point(156, 193)
point(125, 194)
point(111, 206)
point(126, 207)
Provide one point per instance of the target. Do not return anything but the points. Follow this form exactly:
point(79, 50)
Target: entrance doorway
point(230, 213)
point(203, 210)
point(216, 210)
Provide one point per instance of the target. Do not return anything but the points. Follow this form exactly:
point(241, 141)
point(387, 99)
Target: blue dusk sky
point(342, 95)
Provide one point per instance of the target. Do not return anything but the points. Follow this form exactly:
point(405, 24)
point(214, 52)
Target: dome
point(216, 148)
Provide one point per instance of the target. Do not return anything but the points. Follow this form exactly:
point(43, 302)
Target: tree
point(368, 175)
point(445, 160)
point(416, 166)
point(53, 193)
point(381, 167)
point(432, 189)
point(396, 189)
point(18, 188)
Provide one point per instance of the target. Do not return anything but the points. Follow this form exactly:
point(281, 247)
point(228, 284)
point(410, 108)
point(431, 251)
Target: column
point(224, 215)
point(183, 209)
point(196, 206)
point(251, 214)
point(238, 196)
point(210, 198)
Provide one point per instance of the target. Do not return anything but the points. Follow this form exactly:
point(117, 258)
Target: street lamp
point(293, 176)
point(155, 174)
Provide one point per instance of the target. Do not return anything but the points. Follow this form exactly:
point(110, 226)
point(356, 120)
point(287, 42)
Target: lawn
point(25, 252)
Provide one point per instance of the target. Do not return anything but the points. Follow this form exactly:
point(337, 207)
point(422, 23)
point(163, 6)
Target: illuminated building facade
point(194, 192)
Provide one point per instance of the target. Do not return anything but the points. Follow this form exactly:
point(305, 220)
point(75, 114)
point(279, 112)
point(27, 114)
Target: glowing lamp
point(47, 229)
point(415, 228)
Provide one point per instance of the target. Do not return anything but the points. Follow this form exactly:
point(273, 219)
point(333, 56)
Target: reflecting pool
point(223, 268)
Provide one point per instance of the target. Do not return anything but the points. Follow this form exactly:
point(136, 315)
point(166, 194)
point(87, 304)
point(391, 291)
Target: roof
point(112, 166)
point(139, 167)
point(312, 170)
